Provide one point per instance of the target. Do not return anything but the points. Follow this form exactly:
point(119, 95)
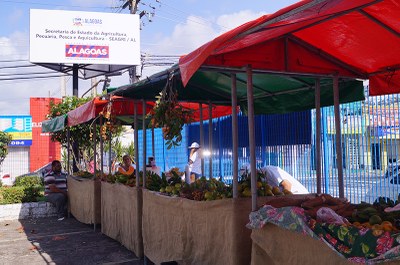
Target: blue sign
point(19, 127)
point(21, 143)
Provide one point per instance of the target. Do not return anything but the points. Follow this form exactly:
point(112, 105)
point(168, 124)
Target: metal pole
point(201, 137)
point(94, 147)
point(220, 150)
point(325, 144)
point(75, 146)
point(339, 161)
point(135, 122)
point(101, 148)
point(132, 70)
point(144, 141)
point(68, 150)
point(94, 166)
point(318, 133)
point(75, 79)
point(109, 153)
point(153, 148)
point(235, 141)
point(252, 144)
point(210, 130)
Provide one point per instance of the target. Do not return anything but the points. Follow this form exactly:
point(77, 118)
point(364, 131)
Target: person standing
point(195, 160)
point(56, 189)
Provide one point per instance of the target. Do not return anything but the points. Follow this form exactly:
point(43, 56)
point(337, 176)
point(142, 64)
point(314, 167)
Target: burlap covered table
point(121, 207)
point(84, 197)
point(193, 232)
point(275, 245)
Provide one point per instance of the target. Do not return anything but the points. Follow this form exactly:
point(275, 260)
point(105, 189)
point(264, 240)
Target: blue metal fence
point(370, 140)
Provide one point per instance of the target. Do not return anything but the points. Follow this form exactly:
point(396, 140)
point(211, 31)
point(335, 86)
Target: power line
point(18, 66)
point(59, 5)
point(30, 73)
point(207, 21)
point(13, 61)
point(32, 77)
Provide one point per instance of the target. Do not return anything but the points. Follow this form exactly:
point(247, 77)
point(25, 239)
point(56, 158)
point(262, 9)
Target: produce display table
point(84, 196)
point(283, 236)
point(121, 208)
point(275, 245)
point(197, 232)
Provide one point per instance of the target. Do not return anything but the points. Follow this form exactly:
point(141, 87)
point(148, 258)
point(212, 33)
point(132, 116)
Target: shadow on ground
point(48, 241)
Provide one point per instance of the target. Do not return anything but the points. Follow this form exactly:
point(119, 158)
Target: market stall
point(288, 236)
point(198, 232)
point(334, 39)
point(121, 215)
point(178, 229)
point(84, 196)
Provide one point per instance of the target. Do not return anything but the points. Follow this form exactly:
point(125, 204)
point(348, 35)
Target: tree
point(5, 140)
point(81, 135)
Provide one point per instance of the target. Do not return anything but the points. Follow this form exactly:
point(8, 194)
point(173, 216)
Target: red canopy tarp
point(350, 38)
point(120, 106)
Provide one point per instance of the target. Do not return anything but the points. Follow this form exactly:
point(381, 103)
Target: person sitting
point(276, 176)
point(151, 166)
point(126, 168)
point(56, 189)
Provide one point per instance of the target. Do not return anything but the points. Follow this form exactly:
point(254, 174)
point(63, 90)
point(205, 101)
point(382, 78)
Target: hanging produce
point(168, 114)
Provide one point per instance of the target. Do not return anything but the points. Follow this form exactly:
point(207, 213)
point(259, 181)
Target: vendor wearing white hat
point(195, 160)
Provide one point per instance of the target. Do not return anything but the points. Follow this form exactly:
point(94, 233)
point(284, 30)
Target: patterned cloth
point(60, 180)
point(358, 245)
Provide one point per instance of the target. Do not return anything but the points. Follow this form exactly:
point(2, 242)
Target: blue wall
point(271, 130)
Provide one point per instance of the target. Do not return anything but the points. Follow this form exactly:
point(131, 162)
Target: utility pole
point(94, 86)
point(63, 87)
point(133, 9)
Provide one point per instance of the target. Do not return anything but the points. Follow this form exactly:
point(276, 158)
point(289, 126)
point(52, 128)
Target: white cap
point(194, 145)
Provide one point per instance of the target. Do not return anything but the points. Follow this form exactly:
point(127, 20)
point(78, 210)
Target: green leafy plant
point(82, 135)
point(12, 195)
point(5, 140)
point(25, 189)
point(28, 181)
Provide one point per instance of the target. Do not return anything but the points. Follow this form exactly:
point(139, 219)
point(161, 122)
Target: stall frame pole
point(338, 136)
point(144, 141)
point(210, 141)
point(318, 133)
point(250, 106)
point(101, 149)
point(94, 165)
point(201, 138)
point(109, 153)
point(153, 148)
point(136, 144)
point(68, 150)
point(235, 141)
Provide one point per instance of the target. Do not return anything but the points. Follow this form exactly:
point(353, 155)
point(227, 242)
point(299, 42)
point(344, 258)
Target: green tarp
point(55, 124)
point(272, 93)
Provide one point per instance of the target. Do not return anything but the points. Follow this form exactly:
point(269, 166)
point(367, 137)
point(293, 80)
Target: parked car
point(388, 187)
point(41, 172)
point(7, 180)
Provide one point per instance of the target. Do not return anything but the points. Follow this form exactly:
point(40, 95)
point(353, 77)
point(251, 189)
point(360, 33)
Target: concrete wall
point(29, 210)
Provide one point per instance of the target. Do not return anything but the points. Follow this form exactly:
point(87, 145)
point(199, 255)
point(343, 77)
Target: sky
point(169, 29)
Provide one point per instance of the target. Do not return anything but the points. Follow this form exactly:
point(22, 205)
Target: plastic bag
point(327, 215)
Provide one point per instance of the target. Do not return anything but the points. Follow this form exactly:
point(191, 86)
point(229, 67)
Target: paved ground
point(48, 241)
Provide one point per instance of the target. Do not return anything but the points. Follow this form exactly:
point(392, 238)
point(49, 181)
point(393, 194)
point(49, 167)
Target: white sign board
point(76, 37)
